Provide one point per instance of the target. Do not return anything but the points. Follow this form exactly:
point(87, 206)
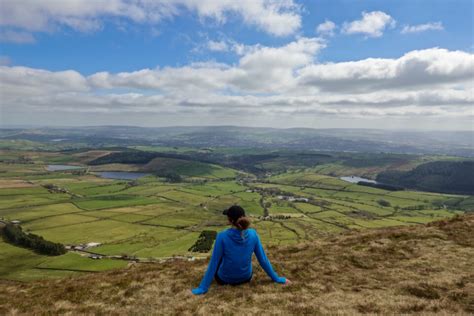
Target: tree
point(204, 241)
point(15, 235)
point(384, 203)
point(173, 177)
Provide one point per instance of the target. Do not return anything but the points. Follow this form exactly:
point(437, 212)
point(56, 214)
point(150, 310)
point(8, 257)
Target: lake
point(122, 175)
point(62, 167)
point(354, 179)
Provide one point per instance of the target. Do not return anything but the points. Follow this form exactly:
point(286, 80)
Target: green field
point(151, 218)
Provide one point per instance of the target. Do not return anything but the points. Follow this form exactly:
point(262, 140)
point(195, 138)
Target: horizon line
point(25, 126)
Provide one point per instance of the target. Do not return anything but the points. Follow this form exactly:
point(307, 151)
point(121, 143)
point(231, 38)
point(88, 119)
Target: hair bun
point(243, 223)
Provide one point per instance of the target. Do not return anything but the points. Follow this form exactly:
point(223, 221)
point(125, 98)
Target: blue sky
point(221, 42)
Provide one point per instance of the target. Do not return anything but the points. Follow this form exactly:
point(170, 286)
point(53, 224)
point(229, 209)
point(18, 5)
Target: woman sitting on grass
point(231, 261)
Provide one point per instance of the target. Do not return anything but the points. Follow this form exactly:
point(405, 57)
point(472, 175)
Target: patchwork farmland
point(152, 218)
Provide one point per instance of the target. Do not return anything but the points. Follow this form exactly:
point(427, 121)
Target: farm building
point(95, 257)
point(92, 244)
point(292, 198)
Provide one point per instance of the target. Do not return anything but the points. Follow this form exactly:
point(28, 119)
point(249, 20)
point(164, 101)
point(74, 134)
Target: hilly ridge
point(417, 269)
point(439, 176)
point(458, 143)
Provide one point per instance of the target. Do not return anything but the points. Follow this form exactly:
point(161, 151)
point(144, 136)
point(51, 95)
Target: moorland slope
point(416, 269)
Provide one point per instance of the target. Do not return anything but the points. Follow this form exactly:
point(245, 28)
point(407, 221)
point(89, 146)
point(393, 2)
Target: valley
point(162, 204)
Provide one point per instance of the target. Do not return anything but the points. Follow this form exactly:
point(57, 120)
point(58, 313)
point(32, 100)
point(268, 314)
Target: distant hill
point(423, 269)
point(458, 143)
point(163, 164)
point(455, 177)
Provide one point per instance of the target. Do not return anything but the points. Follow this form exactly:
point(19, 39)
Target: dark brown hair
point(236, 215)
point(242, 223)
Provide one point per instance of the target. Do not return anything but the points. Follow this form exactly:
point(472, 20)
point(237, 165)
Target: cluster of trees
point(79, 172)
point(54, 188)
point(15, 235)
point(170, 176)
point(204, 241)
point(438, 176)
point(384, 203)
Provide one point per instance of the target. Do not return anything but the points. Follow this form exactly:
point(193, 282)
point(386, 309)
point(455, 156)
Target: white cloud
point(195, 78)
point(228, 45)
point(326, 29)
point(278, 18)
point(372, 24)
point(18, 83)
point(271, 69)
point(260, 70)
point(435, 26)
point(429, 67)
point(217, 46)
point(18, 37)
point(283, 83)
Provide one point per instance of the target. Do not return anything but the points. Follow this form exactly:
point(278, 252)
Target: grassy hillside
point(188, 168)
point(417, 269)
point(437, 176)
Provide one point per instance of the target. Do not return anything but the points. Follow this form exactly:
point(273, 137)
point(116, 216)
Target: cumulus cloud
point(24, 81)
point(435, 26)
point(427, 67)
point(194, 78)
point(272, 69)
point(278, 18)
point(326, 29)
point(372, 24)
point(277, 82)
point(261, 69)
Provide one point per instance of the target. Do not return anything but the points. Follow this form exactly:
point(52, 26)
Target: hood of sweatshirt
point(239, 236)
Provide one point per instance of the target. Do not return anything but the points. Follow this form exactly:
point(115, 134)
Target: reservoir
point(122, 175)
point(62, 167)
point(355, 179)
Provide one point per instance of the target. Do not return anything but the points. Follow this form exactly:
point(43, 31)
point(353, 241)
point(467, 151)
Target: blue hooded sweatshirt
point(232, 258)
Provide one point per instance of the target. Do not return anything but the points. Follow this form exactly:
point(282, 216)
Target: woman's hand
point(287, 282)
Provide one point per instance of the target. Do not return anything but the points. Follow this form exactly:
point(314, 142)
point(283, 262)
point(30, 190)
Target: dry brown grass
point(13, 184)
point(419, 269)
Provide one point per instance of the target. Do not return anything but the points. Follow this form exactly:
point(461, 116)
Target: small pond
point(355, 179)
point(62, 167)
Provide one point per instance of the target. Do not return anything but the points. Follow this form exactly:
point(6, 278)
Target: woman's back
point(232, 258)
point(238, 247)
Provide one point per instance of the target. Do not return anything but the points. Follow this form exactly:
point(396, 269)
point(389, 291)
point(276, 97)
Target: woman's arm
point(212, 268)
point(265, 263)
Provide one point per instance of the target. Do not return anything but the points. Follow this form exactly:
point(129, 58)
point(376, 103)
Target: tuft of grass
point(423, 290)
